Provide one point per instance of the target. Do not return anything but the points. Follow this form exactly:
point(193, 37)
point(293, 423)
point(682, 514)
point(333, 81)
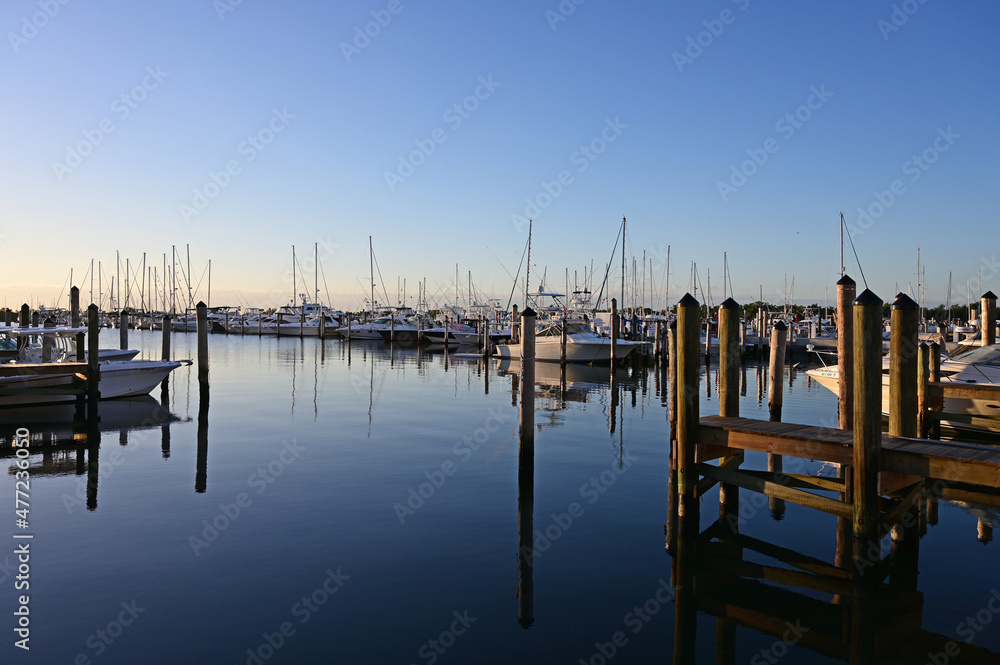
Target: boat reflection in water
point(64, 441)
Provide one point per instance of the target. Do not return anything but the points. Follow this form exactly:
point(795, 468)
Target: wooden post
point(846, 288)
point(322, 325)
point(776, 369)
point(35, 319)
point(729, 359)
point(672, 377)
point(260, 324)
point(48, 343)
point(688, 372)
point(923, 376)
point(515, 323)
point(202, 324)
point(988, 318)
point(867, 452)
point(658, 343)
point(903, 367)
point(614, 332)
point(527, 412)
point(729, 393)
point(226, 331)
point(25, 315)
point(165, 334)
point(93, 368)
point(934, 374)
point(562, 342)
point(75, 322)
point(123, 329)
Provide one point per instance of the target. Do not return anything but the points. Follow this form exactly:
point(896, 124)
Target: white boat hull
point(118, 378)
point(579, 349)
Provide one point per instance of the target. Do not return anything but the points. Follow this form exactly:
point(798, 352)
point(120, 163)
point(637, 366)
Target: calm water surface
point(350, 503)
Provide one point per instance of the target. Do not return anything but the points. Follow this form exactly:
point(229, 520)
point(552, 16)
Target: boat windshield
point(984, 355)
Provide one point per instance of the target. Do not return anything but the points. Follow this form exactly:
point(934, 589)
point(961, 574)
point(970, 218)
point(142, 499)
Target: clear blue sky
point(333, 113)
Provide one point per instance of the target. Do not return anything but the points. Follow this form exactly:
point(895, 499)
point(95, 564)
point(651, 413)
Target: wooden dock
point(888, 485)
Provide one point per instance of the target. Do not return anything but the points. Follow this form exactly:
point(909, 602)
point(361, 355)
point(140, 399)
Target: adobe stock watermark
point(455, 115)
point(249, 149)
point(381, 19)
point(901, 13)
point(581, 158)
point(303, 610)
point(101, 640)
point(914, 167)
point(121, 108)
point(434, 648)
point(636, 619)
point(260, 480)
point(417, 497)
point(714, 28)
point(592, 490)
point(967, 629)
point(223, 7)
point(563, 11)
point(31, 25)
point(779, 649)
point(787, 126)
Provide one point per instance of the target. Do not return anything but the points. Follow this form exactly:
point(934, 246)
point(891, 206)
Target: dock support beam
point(867, 426)
point(988, 318)
point(688, 373)
point(903, 367)
point(846, 290)
point(202, 319)
point(776, 370)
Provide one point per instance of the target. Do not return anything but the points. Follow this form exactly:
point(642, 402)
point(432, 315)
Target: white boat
point(117, 378)
point(582, 345)
point(457, 333)
point(979, 366)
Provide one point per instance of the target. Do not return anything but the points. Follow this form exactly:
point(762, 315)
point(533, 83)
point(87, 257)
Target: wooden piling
point(729, 359)
point(903, 367)
point(165, 334)
point(934, 374)
point(123, 329)
point(776, 370)
point(923, 376)
point(25, 315)
point(202, 325)
point(988, 318)
point(688, 372)
point(74, 321)
point(729, 395)
point(48, 343)
point(562, 342)
point(526, 424)
point(515, 326)
point(867, 438)
point(658, 343)
point(614, 332)
point(35, 319)
point(93, 368)
point(846, 288)
point(672, 377)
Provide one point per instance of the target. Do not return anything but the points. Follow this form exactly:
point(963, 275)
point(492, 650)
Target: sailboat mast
point(527, 272)
point(316, 267)
point(623, 263)
point(294, 280)
point(371, 271)
point(841, 244)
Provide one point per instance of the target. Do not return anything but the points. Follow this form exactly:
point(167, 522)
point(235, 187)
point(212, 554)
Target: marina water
point(327, 501)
